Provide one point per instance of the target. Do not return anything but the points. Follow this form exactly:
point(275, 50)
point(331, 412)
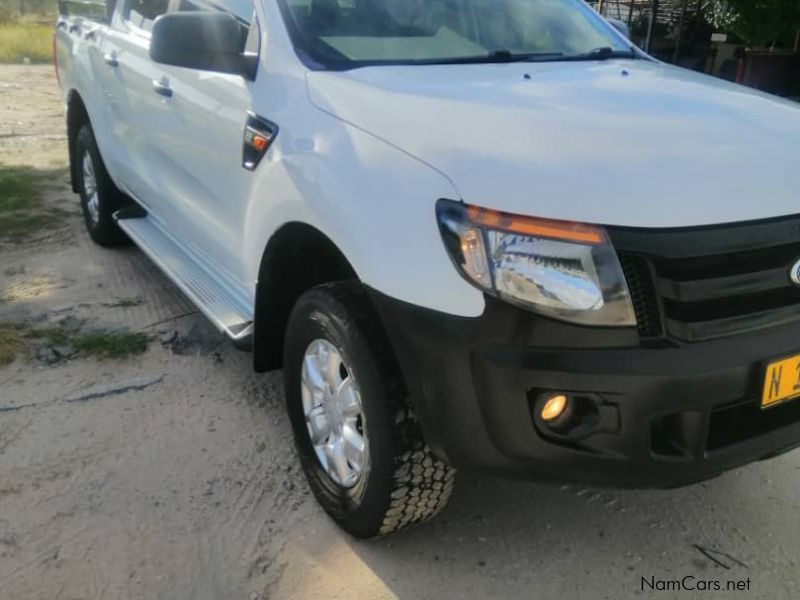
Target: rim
point(90, 188)
point(334, 417)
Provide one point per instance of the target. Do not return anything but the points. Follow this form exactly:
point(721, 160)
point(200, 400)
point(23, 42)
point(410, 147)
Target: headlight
point(564, 270)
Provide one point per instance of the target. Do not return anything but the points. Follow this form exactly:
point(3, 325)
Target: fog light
point(554, 408)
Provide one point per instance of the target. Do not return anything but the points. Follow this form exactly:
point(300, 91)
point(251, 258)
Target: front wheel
point(359, 444)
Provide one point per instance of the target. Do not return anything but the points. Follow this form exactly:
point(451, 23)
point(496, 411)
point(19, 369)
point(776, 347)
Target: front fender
point(375, 202)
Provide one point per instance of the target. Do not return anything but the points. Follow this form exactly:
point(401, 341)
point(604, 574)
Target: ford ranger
point(483, 235)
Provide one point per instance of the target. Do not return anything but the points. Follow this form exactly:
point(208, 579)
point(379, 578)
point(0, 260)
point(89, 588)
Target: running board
point(213, 298)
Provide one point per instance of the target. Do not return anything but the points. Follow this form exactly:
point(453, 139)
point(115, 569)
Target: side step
point(219, 302)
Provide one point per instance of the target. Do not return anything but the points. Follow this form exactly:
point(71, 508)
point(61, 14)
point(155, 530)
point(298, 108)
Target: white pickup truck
point(475, 234)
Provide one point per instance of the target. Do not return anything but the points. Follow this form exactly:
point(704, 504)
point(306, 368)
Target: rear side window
point(91, 10)
point(241, 9)
point(142, 13)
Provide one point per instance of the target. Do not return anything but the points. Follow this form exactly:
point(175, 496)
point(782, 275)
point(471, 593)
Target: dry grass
point(10, 343)
point(22, 41)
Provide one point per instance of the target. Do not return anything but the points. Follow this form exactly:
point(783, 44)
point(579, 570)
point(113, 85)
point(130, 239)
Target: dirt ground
point(171, 475)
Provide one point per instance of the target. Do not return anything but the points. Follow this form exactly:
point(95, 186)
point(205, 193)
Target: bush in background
point(22, 41)
point(761, 23)
point(26, 30)
point(11, 10)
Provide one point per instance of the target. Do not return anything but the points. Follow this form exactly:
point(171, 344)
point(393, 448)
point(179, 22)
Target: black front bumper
point(672, 414)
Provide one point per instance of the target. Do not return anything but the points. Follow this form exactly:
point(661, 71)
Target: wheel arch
point(297, 257)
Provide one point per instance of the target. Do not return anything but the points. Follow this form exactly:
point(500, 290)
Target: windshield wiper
point(602, 53)
point(502, 56)
point(496, 56)
point(506, 56)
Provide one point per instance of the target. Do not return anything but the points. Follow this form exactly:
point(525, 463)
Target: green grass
point(15, 338)
point(21, 207)
point(10, 343)
point(112, 344)
point(19, 41)
point(102, 343)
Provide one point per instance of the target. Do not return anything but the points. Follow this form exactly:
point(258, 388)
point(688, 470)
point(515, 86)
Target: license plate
point(782, 381)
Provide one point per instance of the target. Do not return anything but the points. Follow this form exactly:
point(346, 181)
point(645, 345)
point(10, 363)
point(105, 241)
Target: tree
point(763, 22)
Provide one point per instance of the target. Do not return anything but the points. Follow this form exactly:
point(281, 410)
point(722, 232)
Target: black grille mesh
point(643, 295)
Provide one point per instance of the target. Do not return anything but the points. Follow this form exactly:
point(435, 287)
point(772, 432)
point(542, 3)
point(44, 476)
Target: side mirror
point(208, 41)
point(621, 26)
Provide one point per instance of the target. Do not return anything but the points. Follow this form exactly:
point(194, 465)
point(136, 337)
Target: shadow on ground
point(516, 539)
point(24, 214)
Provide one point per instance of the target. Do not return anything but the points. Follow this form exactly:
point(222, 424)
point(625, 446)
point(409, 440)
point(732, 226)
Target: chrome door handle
point(162, 88)
point(90, 35)
point(111, 60)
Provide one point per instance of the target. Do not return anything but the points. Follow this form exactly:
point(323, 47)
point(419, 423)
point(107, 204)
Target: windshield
point(350, 33)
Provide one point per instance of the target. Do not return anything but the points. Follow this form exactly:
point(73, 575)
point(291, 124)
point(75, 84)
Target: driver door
point(198, 131)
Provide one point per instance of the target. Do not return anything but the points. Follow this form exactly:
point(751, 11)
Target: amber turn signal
point(260, 143)
point(545, 228)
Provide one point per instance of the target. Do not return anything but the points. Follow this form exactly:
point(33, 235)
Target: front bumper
point(671, 414)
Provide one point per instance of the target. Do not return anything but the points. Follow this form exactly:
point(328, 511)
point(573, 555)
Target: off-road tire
point(104, 230)
point(405, 483)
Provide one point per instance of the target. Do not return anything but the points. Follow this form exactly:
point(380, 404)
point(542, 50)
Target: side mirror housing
point(207, 41)
point(621, 26)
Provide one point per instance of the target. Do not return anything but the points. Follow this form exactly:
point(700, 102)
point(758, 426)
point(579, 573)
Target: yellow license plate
point(782, 381)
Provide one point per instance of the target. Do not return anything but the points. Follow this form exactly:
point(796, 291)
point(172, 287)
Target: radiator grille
point(699, 284)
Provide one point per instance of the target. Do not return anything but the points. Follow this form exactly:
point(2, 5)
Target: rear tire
point(100, 198)
point(396, 482)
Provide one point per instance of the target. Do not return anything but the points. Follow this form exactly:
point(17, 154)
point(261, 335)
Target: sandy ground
point(185, 485)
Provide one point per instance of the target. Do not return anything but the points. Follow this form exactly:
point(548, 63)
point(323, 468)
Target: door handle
point(162, 88)
point(74, 29)
point(61, 25)
point(90, 35)
point(111, 60)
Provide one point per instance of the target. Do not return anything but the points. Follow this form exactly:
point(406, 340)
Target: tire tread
point(422, 483)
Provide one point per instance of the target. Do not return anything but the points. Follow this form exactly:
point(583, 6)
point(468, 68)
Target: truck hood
point(631, 143)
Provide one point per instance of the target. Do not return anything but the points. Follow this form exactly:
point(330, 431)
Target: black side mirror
point(208, 41)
